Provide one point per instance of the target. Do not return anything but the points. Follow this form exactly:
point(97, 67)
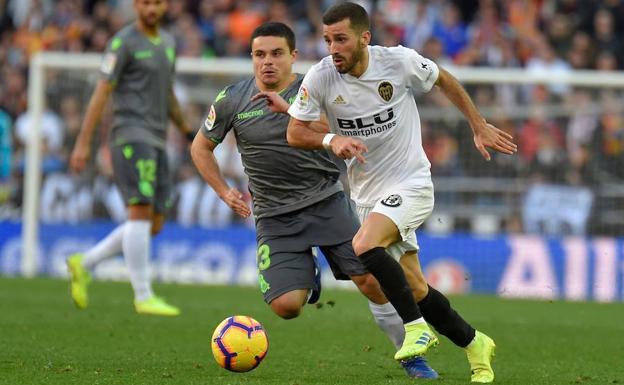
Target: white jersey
point(377, 108)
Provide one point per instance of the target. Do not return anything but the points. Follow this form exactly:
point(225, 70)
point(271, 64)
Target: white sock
point(136, 248)
point(108, 247)
point(389, 321)
point(420, 320)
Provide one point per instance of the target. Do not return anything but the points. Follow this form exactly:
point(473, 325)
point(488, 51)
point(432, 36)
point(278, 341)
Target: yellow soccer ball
point(239, 343)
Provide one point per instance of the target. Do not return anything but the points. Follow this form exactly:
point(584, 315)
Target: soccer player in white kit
point(367, 94)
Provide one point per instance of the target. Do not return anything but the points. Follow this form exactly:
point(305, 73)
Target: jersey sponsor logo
point(393, 200)
point(339, 100)
point(369, 125)
point(303, 97)
point(144, 54)
point(212, 116)
point(108, 64)
point(249, 114)
point(385, 90)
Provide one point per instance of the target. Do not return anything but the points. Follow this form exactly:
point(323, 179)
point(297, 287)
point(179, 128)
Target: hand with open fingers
point(488, 136)
point(79, 158)
point(274, 101)
point(347, 148)
point(235, 200)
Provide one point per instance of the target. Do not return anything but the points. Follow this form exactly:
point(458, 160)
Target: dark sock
point(437, 310)
point(393, 283)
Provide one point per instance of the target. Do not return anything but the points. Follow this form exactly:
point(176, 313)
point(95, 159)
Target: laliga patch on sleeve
point(303, 97)
point(108, 64)
point(212, 116)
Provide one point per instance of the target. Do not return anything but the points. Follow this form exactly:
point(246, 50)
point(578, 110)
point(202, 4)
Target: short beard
point(355, 59)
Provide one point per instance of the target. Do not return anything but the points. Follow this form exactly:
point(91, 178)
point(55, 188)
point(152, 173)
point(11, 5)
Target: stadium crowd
point(567, 136)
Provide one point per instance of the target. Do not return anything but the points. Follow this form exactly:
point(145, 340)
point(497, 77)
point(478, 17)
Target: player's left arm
point(485, 134)
point(175, 114)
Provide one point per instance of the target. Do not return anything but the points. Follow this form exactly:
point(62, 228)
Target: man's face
point(345, 45)
point(272, 60)
point(150, 12)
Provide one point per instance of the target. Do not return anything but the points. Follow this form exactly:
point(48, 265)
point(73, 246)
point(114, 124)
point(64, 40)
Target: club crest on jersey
point(385, 90)
point(212, 116)
point(393, 200)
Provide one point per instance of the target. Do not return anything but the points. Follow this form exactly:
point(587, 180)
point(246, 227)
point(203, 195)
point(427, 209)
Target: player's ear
point(365, 38)
point(294, 53)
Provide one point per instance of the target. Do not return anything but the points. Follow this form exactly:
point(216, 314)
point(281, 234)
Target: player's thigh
point(135, 173)
point(343, 261)
point(407, 208)
point(280, 272)
point(377, 230)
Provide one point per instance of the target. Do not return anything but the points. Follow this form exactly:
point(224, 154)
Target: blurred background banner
point(520, 266)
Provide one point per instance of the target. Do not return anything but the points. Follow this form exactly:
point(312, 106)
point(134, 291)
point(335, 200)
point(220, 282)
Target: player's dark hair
point(355, 13)
point(275, 29)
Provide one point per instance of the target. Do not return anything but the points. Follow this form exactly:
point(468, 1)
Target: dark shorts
point(141, 173)
point(285, 245)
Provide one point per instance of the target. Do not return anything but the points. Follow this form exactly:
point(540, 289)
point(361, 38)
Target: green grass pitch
point(45, 340)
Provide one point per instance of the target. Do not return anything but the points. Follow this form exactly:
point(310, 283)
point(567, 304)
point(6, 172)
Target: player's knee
point(369, 287)
point(361, 244)
point(286, 307)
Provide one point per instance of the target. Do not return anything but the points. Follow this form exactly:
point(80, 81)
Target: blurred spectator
point(6, 146)
point(52, 135)
point(604, 34)
point(607, 147)
point(451, 31)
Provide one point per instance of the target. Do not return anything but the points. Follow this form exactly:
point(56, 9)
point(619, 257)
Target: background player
point(366, 93)
point(297, 197)
point(138, 70)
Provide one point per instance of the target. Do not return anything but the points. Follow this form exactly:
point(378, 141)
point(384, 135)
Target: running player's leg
point(138, 171)
point(378, 231)
point(438, 312)
point(345, 264)
point(434, 306)
point(286, 279)
point(79, 264)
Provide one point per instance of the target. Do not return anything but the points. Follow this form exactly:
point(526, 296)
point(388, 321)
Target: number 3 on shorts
point(264, 257)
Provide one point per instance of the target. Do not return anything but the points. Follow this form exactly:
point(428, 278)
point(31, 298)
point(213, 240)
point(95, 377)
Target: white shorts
point(408, 208)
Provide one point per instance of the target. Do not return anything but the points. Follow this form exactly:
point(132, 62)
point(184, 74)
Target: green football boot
point(418, 339)
point(480, 353)
point(80, 279)
point(155, 306)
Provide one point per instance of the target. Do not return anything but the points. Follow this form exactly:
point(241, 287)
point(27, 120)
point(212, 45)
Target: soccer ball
point(239, 343)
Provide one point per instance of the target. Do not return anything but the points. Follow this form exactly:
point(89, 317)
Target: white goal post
point(43, 61)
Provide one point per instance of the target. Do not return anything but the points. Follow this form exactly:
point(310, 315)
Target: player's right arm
point(82, 149)
point(217, 124)
point(305, 111)
point(202, 152)
point(114, 62)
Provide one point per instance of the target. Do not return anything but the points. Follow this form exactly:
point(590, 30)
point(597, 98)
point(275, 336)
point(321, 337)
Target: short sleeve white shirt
point(379, 109)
